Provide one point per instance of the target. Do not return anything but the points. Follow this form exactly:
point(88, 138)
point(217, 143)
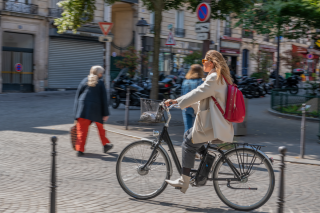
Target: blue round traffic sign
point(203, 12)
point(310, 56)
point(18, 67)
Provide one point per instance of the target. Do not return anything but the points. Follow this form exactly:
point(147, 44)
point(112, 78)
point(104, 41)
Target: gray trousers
point(189, 150)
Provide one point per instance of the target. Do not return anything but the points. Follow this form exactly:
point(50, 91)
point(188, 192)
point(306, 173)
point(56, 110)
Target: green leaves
point(291, 19)
point(194, 58)
point(75, 13)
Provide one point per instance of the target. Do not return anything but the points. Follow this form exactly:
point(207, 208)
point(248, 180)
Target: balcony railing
point(247, 34)
point(55, 12)
point(228, 31)
point(20, 7)
point(180, 32)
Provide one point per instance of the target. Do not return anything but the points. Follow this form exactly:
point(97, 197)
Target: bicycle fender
point(249, 148)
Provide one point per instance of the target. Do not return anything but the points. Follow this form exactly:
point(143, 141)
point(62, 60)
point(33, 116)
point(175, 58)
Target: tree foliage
point(263, 61)
point(290, 19)
point(292, 60)
point(194, 58)
point(131, 60)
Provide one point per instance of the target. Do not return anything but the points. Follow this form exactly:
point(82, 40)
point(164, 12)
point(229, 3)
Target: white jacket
point(209, 125)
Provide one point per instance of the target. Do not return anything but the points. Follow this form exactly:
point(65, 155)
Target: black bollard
point(282, 150)
point(53, 177)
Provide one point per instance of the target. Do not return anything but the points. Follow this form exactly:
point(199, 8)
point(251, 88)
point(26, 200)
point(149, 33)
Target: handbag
point(73, 133)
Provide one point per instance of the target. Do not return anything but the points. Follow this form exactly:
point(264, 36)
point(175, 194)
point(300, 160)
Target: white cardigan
point(209, 125)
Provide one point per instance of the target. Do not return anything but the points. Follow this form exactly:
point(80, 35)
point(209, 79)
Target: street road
point(89, 184)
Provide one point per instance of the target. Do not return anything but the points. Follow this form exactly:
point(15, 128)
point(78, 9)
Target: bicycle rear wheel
point(139, 183)
point(256, 185)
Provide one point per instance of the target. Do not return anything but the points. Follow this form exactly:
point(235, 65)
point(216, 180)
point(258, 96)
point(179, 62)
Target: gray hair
point(93, 77)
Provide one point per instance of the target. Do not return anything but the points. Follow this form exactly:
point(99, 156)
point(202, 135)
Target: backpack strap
point(218, 105)
point(215, 100)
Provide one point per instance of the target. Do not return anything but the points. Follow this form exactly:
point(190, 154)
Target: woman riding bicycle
point(209, 125)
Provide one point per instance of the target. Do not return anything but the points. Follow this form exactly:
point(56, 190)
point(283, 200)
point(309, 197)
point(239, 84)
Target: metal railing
point(228, 31)
point(179, 32)
point(20, 7)
point(284, 102)
point(247, 34)
point(55, 12)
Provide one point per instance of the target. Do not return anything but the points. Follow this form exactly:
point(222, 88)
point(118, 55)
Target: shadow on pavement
point(187, 208)
point(110, 156)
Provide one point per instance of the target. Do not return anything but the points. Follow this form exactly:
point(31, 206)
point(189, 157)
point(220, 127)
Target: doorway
point(17, 62)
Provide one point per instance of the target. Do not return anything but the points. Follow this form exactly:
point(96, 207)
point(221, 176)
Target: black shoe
point(80, 154)
point(107, 147)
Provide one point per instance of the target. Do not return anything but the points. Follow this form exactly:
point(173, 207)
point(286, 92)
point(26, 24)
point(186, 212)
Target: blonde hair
point(220, 66)
point(195, 72)
point(93, 77)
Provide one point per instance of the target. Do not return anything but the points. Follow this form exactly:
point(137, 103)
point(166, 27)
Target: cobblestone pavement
point(89, 184)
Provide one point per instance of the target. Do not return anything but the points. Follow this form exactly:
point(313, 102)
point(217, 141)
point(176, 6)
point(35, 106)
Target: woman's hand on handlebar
point(170, 102)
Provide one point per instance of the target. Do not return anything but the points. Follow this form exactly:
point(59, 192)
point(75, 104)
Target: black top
point(91, 102)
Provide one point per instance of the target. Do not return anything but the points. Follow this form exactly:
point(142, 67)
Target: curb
point(271, 111)
point(277, 158)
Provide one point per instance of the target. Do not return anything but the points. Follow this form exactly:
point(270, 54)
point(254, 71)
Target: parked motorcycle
point(250, 88)
point(264, 85)
point(119, 91)
point(290, 83)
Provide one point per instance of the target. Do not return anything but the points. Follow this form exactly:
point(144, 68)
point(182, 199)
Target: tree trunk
point(158, 7)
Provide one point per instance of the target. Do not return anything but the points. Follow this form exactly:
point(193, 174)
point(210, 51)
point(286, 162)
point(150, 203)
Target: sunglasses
point(204, 60)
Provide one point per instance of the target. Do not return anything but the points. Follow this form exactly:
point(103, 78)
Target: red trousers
point(82, 132)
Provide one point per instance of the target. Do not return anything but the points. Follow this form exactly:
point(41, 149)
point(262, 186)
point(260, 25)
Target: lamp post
point(142, 27)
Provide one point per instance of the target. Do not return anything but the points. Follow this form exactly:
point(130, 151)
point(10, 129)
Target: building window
point(266, 38)
point(151, 22)
point(227, 26)
point(180, 31)
point(247, 34)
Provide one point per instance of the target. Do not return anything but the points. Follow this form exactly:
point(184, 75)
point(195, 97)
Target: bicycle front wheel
point(257, 180)
point(142, 183)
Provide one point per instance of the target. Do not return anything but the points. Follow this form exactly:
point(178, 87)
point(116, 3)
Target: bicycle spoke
point(256, 179)
point(138, 181)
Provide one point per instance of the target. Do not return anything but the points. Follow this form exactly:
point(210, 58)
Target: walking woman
point(91, 106)
point(193, 80)
point(210, 125)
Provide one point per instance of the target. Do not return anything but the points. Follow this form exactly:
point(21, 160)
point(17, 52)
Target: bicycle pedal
point(177, 187)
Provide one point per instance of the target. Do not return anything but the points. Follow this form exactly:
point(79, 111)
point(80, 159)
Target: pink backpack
point(235, 109)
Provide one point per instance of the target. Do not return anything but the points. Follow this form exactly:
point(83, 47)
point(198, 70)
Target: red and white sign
point(203, 12)
point(18, 67)
point(170, 39)
point(310, 56)
point(230, 38)
point(105, 27)
point(230, 51)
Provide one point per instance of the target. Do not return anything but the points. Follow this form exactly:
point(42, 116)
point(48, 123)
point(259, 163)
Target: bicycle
point(242, 176)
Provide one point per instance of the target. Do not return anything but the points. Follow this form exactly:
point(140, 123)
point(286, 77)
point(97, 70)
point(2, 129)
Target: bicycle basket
point(151, 111)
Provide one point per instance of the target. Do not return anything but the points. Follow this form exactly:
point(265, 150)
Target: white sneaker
point(182, 183)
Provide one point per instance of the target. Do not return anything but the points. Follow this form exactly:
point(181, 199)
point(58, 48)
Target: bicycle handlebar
point(168, 111)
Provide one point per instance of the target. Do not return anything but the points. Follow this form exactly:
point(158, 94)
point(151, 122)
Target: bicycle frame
point(164, 136)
